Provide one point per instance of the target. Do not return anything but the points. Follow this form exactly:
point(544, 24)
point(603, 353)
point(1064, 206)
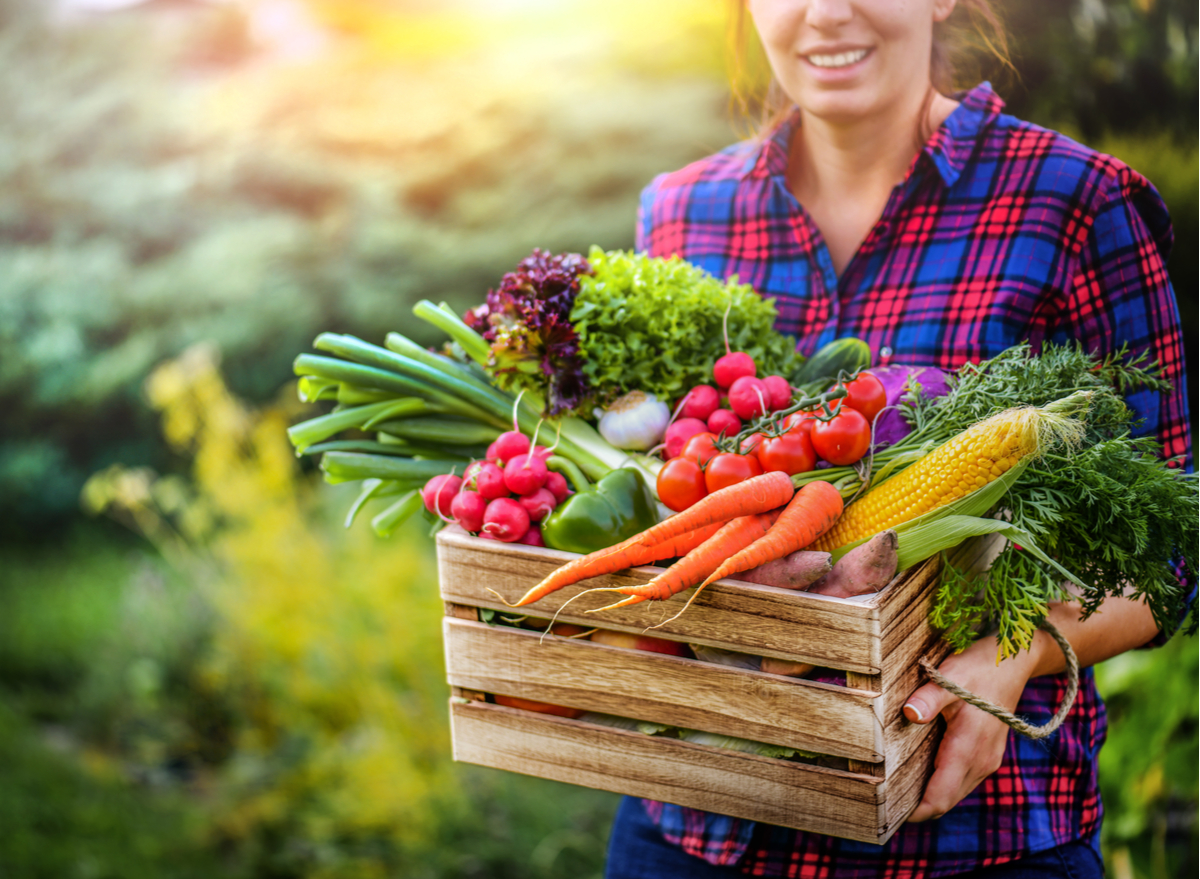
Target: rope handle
point(1025, 729)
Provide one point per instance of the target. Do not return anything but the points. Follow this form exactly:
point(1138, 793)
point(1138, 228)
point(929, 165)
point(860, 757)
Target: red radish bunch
point(504, 496)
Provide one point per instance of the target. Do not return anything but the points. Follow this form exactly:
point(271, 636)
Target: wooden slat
point(857, 681)
point(729, 614)
point(906, 783)
point(743, 785)
point(896, 604)
point(902, 738)
point(664, 689)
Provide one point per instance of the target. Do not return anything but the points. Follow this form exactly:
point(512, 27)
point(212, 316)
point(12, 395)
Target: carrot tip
point(625, 602)
point(505, 600)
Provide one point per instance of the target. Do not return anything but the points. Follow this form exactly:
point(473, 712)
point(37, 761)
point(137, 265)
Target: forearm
point(1121, 624)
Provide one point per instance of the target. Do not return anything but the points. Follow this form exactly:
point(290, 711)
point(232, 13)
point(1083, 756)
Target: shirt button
point(885, 355)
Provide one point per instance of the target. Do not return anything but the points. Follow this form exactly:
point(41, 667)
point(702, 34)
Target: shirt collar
point(948, 149)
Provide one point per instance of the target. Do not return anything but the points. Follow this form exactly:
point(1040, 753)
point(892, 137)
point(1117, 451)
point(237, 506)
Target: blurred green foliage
point(270, 685)
point(1148, 772)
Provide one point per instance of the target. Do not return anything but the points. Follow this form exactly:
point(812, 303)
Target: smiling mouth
point(841, 59)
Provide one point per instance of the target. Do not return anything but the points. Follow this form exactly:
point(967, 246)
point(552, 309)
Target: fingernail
point(913, 712)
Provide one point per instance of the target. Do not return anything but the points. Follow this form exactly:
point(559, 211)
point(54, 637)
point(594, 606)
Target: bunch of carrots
point(731, 530)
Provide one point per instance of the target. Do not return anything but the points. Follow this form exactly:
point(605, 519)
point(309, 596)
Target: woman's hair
point(970, 40)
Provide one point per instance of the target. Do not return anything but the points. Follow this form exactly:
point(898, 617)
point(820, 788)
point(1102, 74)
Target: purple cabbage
point(892, 425)
point(527, 320)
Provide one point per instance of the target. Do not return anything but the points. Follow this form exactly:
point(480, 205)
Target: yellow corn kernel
point(961, 465)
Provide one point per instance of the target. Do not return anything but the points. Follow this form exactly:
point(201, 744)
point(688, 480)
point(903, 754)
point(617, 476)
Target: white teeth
point(842, 59)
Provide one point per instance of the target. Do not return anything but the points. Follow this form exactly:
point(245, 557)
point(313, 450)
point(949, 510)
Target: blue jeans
point(636, 850)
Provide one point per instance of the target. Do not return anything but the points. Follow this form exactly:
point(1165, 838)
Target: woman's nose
point(824, 14)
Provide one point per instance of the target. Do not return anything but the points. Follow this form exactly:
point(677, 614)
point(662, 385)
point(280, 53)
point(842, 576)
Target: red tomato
point(681, 483)
point(751, 443)
point(866, 394)
point(791, 453)
point(701, 448)
point(844, 438)
point(729, 469)
point(800, 422)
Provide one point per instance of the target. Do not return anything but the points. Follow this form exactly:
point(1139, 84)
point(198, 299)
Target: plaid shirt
point(1001, 232)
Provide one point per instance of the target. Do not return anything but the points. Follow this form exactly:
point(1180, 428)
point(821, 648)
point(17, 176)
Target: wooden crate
point(885, 760)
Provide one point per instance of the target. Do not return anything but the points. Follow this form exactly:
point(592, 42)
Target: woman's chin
point(841, 107)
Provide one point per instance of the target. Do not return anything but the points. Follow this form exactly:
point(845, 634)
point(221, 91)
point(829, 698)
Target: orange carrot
point(734, 536)
point(617, 558)
point(758, 494)
point(812, 512)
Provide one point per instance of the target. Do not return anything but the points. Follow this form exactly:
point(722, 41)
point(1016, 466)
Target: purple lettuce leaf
point(527, 321)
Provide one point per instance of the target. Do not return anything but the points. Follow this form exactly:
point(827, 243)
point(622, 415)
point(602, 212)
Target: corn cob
point(961, 465)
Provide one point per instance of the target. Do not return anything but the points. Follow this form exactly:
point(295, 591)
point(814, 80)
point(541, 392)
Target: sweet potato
point(864, 569)
point(788, 667)
point(795, 571)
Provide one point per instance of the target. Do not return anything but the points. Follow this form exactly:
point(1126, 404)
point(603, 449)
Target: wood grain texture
point(743, 785)
point(906, 782)
point(729, 614)
point(664, 689)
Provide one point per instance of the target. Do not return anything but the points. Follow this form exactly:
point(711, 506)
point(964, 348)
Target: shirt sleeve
point(645, 217)
point(1121, 296)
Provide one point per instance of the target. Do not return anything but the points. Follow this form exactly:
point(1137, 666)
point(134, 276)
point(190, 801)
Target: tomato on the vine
point(750, 444)
point(701, 448)
point(729, 469)
point(790, 453)
point(801, 422)
point(866, 394)
point(681, 484)
point(844, 438)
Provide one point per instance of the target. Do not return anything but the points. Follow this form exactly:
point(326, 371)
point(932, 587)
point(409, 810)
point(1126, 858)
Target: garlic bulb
point(635, 421)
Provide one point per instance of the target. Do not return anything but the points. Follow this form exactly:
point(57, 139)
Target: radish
point(506, 520)
point(680, 432)
point(485, 478)
point(733, 366)
point(533, 537)
point(467, 509)
point(439, 492)
point(557, 485)
point(779, 394)
point(748, 397)
point(700, 402)
point(524, 474)
point(507, 446)
point(539, 504)
point(724, 422)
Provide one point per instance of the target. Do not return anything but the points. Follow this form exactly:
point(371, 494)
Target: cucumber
point(847, 355)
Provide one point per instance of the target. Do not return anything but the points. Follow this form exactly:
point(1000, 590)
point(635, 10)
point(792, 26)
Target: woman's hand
point(974, 742)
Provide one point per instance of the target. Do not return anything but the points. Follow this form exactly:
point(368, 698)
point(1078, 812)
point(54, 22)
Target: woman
point(940, 231)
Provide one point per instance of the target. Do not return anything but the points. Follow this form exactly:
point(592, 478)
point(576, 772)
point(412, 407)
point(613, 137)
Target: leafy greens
point(1112, 512)
point(656, 325)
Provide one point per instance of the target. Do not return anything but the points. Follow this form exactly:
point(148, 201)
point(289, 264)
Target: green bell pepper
point(617, 507)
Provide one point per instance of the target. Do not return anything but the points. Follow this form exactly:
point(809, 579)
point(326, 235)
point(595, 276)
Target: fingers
point(927, 703)
point(971, 750)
